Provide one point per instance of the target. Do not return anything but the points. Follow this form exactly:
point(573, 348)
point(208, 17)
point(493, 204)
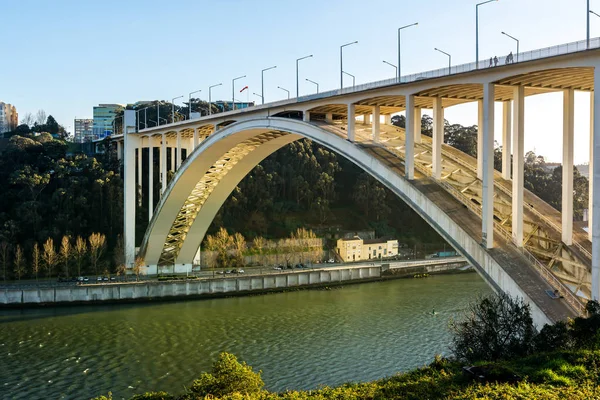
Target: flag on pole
point(244, 88)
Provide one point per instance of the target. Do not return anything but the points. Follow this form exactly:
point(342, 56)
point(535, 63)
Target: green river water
point(300, 339)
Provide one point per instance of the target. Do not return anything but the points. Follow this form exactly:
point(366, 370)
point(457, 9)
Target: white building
point(9, 118)
point(357, 249)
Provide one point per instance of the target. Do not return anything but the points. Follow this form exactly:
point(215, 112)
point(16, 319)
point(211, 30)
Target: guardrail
point(542, 270)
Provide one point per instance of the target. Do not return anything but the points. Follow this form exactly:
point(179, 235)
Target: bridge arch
point(220, 162)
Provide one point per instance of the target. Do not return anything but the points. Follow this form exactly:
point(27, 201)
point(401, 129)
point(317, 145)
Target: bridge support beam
point(409, 164)
point(506, 144)
point(366, 119)
point(329, 118)
point(596, 192)
point(376, 122)
point(438, 137)
point(591, 170)
point(417, 125)
point(119, 147)
point(306, 116)
point(196, 139)
point(178, 150)
point(138, 184)
point(173, 169)
point(163, 163)
point(387, 119)
point(150, 177)
point(487, 215)
point(351, 121)
point(480, 139)
point(518, 161)
point(567, 167)
point(131, 142)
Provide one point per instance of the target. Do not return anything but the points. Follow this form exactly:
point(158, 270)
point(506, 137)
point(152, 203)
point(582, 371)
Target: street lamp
point(398, 70)
point(258, 95)
point(209, 97)
point(352, 76)
point(297, 84)
point(137, 112)
point(588, 25)
point(449, 58)
point(233, 90)
point(392, 65)
point(288, 92)
point(262, 85)
point(477, 31)
point(308, 80)
point(173, 108)
point(190, 103)
point(516, 40)
point(342, 62)
point(158, 112)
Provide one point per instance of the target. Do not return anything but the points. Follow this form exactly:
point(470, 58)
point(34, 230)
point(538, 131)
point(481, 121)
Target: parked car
point(86, 279)
point(331, 261)
point(277, 268)
point(228, 271)
point(99, 279)
point(240, 271)
point(220, 272)
point(300, 265)
point(105, 278)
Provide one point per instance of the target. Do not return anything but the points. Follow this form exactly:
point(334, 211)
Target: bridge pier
point(178, 144)
point(438, 137)
point(138, 184)
point(387, 119)
point(487, 208)
point(329, 118)
point(376, 122)
point(417, 125)
point(596, 191)
point(131, 142)
point(591, 170)
point(506, 132)
point(567, 172)
point(351, 121)
point(409, 163)
point(163, 163)
point(150, 177)
point(306, 116)
point(518, 143)
point(480, 139)
point(366, 119)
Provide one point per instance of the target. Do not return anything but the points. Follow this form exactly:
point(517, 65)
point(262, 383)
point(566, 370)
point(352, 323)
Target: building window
point(374, 253)
point(385, 252)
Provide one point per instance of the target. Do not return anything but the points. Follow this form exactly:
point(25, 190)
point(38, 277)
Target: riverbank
point(239, 285)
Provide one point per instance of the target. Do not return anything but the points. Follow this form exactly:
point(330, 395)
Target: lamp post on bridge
point(308, 80)
point(190, 103)
point(516, 40)
point(398, 70)
point(173, 108)
point(233, 90)
point(158, 112)
point(392, 65)
point(262, 84)
point(352, 76)
point(298, 84)
point(209, 97)
point(285, 90)
point(258, 95)
point(587, 14)
point(137, 115)
point(449, 57)
point(477, 31)
point(342, 62)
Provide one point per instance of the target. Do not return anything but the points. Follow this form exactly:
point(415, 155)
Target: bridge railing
point(571, 298)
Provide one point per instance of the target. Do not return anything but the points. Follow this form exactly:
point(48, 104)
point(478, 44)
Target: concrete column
point(518, 161)
point(596, 192)
point(487, 208)
point(306, 117)
point(438, 137)
point(480, 139)
point(387, 119)
point(329, 118)
point(366, 119)
point(376, 121)
point(150, 177)
point(567, 171)
point(591, 169)
point(409, 159)
point(119, 147)
point(173, 157)
point(138, 184)
point(131, 142)
point(196, 139)
point(163, 163)
point(417, 125)
point(506, 132)
point(351, 121)
point(178, 150)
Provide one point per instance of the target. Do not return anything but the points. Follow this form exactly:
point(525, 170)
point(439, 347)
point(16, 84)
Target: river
point(298, 339)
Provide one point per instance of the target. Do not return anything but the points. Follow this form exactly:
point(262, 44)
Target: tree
point(259, 243)
point(27, 119)
point(221, 243)
point(4, 257)
point(239, 246)
point(40, 117)
point(496, 327)
point(119, 254)
point(19, 262)
point(138, 267)
point(228, 376)
point(97, 245)
point(49, 256)
point(65, 253)
point(35, 260)
point(80, 252)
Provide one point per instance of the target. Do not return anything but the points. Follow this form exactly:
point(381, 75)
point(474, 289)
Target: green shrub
point(553, 337)
point(228, 376)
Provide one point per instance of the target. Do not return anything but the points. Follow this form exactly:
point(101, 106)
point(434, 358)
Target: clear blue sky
point(65, 56)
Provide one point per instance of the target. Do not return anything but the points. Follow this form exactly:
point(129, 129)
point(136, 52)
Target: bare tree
point(80, 252)
point(28, 119)
point(65, 253)
point(40, 117)
point(138, 267)
point(259, 243)
point(49, 256)
point(19, 262)
point(221, 243)
point(4, 257)
point(97, 245)
point(35, 260)
point(239, 246)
